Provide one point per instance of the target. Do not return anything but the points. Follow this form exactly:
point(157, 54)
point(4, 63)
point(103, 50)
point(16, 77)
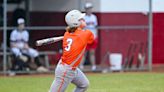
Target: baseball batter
point(74, 43)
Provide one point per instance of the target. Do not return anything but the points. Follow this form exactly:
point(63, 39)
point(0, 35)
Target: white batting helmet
point(72, 18)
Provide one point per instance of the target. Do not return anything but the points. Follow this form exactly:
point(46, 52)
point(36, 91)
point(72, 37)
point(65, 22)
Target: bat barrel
point(48, 41)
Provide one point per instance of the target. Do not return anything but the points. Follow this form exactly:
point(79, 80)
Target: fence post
point(4, 35)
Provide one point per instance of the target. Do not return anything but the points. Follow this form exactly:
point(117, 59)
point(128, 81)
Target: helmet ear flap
point(72, 18)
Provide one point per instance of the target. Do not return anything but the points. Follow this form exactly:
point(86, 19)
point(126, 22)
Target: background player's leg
point(20, 60)
point(83, 61)
point(32, 52)
point(80, 81)
point(16, 51)
point(92, 59)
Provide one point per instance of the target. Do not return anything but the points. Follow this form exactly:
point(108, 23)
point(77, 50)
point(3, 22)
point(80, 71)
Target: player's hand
point(83, 23)
point(26, 46)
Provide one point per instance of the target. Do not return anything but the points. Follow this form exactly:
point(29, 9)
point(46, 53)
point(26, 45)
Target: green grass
point(114, 82)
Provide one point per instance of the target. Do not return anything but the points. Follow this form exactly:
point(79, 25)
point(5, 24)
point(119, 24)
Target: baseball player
point(74, 43)
point(19, 45)
point(91, 21)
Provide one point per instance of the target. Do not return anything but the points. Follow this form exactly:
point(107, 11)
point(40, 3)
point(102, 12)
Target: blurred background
point(130, 31)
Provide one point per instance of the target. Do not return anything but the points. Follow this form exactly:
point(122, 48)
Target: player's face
point(21, 26)
point(83, 23)
point(89, 11)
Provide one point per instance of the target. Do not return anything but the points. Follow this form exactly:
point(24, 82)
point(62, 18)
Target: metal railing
point(63, 27)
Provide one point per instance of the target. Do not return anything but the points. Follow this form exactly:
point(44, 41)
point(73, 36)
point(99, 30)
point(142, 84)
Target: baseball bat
point(140, 55)
point(132, 55)
point(48, 40)
point(128, 56)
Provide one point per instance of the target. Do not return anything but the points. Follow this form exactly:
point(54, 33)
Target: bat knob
point(38, 43)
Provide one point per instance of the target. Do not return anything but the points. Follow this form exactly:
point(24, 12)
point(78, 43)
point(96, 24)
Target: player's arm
point(95, 21)
point(26, 46)
point(13, 40)
point(25, 40)
point(13, 44)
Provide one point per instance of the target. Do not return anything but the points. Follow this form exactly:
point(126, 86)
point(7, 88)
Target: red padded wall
point(158, 38)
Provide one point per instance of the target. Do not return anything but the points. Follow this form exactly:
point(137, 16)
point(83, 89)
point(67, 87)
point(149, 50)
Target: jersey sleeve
point(95, 20)
point(90, 37)
point(26, 36)
point(13, 36)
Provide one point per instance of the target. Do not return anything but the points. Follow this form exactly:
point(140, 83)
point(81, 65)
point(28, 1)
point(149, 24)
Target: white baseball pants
point(64, 75)
point(31, 52)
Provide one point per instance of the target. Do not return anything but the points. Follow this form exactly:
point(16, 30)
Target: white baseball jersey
point(19, 37)
point(91, 21)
